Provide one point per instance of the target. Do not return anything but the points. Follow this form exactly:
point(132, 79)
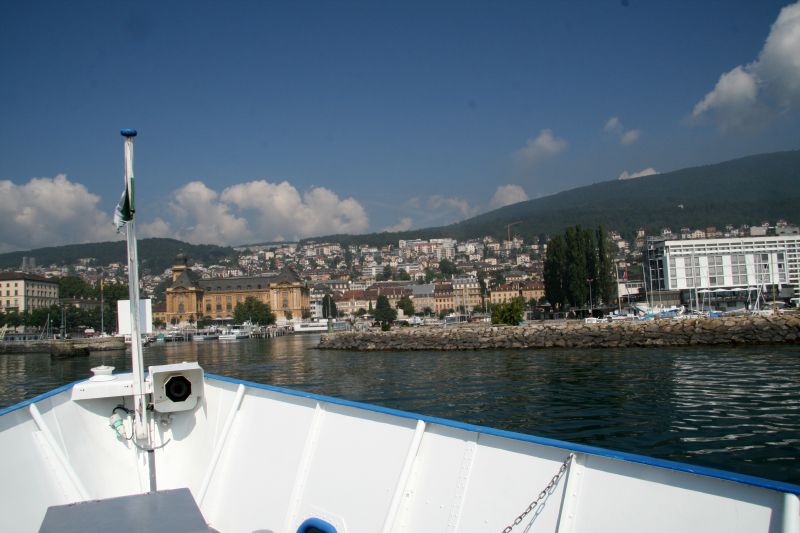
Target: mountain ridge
point(744, 190)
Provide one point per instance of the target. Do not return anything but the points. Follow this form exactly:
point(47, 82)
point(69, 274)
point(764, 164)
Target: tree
point(385, 275)
point(329, 307)
point(383, 311)
point(406, 305)
point(498, 278)
point(447, 268)
point(576, 261)
point(255, 311)
point(606, 277)
point(509, 312)
point(287, 315)
point(75, 287)
point(402, 275)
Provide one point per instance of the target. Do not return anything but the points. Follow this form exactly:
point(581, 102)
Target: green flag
point(124, 211)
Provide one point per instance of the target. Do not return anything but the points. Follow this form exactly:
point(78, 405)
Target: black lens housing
point(178, 388)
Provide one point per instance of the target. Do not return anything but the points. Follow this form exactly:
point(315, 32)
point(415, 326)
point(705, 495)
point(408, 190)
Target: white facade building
point(711, 264)
point(24, 292)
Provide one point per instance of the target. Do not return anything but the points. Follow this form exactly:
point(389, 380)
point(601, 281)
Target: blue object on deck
point(315, 525)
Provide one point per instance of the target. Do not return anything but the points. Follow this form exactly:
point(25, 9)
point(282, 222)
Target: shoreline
point(63, 348)
point(740, 330)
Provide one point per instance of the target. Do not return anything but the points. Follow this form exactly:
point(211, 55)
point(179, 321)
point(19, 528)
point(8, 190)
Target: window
point(739, 269)
point(715, 273)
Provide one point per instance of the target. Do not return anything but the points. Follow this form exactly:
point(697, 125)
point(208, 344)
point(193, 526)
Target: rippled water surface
point(731, 408)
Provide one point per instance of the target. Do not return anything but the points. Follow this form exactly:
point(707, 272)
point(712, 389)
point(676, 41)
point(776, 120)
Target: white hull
point(261, 458)
point(311, 327)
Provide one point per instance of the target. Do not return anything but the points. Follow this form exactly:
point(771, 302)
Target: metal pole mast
point(139, 400)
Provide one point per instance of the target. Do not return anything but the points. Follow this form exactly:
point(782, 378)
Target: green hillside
point(741, 191)
point(155, 255)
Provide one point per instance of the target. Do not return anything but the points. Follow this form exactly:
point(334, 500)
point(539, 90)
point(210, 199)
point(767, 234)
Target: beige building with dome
point(191, 297)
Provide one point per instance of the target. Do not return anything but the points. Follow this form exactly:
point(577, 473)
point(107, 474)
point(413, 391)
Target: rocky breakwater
point(574, 334)
point(64, 348)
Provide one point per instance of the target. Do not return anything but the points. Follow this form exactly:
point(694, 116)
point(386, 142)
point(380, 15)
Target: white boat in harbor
point(236, 333)
point(311, 326)
point(320, 326)
point(185, 451)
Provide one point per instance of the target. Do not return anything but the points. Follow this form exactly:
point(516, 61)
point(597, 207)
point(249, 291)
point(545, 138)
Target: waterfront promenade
point(745, 330)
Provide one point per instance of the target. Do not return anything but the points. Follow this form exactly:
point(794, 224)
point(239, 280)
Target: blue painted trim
point(128, 132)
point(39, 398)
point(544, 441)
point(322, 525)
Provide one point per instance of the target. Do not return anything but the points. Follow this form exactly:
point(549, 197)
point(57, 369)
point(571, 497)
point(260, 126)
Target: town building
point(743, 265)
point(22, 292)
point(466, 292)
point(191, 297)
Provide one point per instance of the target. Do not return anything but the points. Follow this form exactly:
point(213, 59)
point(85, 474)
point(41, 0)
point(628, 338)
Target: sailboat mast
point(139, 400)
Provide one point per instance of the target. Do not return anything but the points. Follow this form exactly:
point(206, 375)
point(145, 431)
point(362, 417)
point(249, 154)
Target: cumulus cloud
point(614, 125)
point(507, 195)
point(644, 172)
point(279, 208)
point(452, 203)
point(203, 217)
point(750, 93)
point(157, 228)
point(630, 137)
point(258, 210)
point(405, 224)
point(543, 146)
point(51, 212)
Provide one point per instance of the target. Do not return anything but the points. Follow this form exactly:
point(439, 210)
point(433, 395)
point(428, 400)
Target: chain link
point(542, 495)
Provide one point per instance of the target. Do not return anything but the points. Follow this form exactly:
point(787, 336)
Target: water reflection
point(731, 408)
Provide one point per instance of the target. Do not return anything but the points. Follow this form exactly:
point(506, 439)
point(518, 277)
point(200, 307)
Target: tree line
point(578, 268)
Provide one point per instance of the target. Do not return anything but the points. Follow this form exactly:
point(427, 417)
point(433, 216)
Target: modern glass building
point(724, 265)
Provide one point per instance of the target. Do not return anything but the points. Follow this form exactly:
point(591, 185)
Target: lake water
point(732, 408)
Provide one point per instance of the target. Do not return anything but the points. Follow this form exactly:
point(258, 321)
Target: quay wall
point(575, 334)
point(64, 347)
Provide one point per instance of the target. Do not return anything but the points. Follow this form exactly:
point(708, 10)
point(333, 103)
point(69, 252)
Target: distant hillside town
point(302, 281)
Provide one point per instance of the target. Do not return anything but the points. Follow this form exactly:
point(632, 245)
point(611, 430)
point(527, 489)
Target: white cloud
point(51, 212)
point(405, 224)
point(749, 94)
point(280, 209)
point(507, 195)
point(202, 217)
point(630, 137)
point(157, 228)
point(543, 146)
point(644, 172)
point(613, 124)
point(459, 205)
point(733, 102)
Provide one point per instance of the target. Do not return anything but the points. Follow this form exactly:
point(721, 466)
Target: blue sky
point(269, 120)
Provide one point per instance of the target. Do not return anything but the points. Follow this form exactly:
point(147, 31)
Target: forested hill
point(155, 255)
point(741, 191)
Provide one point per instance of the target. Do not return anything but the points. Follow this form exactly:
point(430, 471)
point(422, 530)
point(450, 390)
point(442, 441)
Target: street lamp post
point(589, 281)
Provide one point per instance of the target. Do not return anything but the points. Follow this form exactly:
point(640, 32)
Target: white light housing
point(176, 387)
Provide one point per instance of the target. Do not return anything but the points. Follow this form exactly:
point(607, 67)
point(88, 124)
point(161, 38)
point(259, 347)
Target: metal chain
point(550, 486)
